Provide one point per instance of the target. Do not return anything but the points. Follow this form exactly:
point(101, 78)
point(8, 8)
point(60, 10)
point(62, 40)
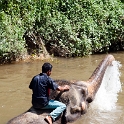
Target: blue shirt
point(40, 85)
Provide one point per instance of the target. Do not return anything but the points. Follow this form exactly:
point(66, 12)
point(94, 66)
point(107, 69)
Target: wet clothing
point(40, 86)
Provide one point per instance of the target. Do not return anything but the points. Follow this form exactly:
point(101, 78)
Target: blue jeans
point(58, 107)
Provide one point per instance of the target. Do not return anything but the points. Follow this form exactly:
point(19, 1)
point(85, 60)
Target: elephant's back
point(32, 116)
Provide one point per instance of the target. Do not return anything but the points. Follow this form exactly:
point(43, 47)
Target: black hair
point(46, 67)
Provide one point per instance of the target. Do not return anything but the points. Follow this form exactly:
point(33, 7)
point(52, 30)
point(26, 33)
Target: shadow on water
point(108, 107)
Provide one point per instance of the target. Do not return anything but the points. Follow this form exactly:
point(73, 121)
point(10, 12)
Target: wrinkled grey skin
point(80, 91)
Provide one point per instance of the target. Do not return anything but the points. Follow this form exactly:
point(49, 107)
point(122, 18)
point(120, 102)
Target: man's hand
point(66, 87)
point(63, 88)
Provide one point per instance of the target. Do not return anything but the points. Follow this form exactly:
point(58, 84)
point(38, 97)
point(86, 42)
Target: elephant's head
point(75, 99)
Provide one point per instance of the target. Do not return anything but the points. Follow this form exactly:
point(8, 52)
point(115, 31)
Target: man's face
point(49, 73)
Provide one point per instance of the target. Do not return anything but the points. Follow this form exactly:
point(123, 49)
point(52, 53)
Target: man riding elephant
point(40, 85)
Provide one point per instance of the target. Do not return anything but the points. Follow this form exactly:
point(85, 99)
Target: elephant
point(79, 92)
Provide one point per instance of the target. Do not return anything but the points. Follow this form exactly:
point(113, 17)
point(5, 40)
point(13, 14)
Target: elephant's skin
point(80, 91)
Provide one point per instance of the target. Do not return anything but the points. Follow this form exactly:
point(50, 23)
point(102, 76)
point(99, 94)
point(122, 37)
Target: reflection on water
point(15, 96)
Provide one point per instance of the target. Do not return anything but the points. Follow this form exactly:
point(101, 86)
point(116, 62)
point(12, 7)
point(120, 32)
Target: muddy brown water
point(15, 96)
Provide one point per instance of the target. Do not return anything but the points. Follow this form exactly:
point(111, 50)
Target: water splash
point(107, 94)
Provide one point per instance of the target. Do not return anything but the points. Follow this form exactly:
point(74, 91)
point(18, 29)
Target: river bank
point(28, 58)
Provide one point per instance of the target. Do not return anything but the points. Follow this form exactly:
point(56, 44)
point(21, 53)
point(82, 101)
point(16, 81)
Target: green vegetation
point(67, 27)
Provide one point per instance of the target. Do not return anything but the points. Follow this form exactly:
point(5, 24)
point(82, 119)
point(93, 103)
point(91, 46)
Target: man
point(40, 86)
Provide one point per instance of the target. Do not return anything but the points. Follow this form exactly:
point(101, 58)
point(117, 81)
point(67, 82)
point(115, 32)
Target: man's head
point(47, 68)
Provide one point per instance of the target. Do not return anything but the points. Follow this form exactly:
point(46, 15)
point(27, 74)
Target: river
point(108, 107)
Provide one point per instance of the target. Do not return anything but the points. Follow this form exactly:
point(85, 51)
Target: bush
point(15, 18)
point(67, 27)
point(82, 27)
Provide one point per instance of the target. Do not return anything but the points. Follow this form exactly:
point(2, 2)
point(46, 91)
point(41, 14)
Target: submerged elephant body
point(80, 91)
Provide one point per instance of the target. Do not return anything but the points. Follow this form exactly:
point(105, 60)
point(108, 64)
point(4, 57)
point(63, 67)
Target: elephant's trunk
point(95, 80)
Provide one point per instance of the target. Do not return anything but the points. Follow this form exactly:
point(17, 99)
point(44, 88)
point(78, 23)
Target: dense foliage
point(67, 27)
